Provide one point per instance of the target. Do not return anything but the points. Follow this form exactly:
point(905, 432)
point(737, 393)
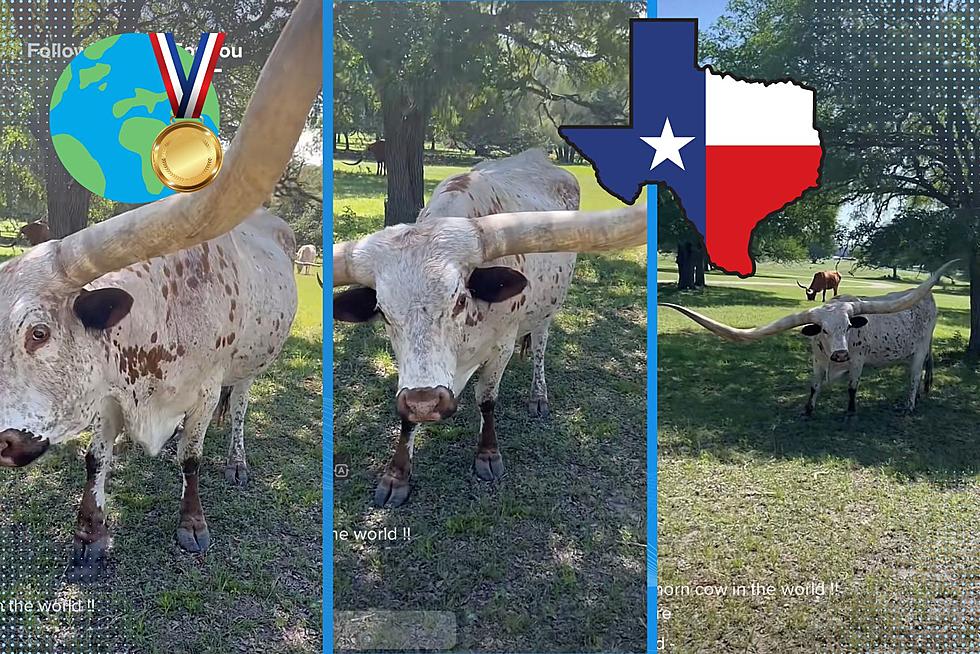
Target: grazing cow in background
point(460, 287)
point(36, 233)
point(848, 333)
point(137, 323)
point(376, 150)
point(305, 258)
point(822, 281)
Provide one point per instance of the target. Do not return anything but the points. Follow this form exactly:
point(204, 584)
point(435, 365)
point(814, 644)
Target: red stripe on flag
point(162, 63)
point(208, 74)
point(746, 183)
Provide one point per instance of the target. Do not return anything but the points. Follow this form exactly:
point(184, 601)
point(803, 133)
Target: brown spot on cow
point(138, 362)
point(153, 337)
point(179, 268)
point(459, 308)
point(457, 183)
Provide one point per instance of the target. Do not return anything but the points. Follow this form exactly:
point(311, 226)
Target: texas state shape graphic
point(733, 151)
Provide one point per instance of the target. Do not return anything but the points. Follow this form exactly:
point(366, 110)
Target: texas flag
point(733, 151)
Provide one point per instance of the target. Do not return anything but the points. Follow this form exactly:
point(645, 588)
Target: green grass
point(553, 557)
point(258, 588)
point(884, 505)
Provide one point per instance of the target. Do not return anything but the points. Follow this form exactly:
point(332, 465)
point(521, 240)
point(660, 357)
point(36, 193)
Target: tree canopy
point(493, 77)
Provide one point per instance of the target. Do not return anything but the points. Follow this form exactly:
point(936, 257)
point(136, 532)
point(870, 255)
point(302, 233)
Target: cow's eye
point(37, 336)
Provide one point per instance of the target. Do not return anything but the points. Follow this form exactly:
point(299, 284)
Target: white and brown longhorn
point(487, 264)
point(138, 323)
point(305, 259)
point(849, 333)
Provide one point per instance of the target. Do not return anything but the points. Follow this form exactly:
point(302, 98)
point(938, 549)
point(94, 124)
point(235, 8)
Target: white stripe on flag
point(201, 73)
point(753, 113)
point(171, 69)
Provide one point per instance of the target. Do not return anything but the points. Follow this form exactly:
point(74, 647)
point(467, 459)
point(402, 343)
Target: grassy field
point(884, 507)
point(259, 587)
point(553, 557)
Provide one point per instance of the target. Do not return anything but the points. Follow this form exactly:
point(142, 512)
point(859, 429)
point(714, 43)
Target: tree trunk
point(68, 201)
point(700, 268)
point(973, 347)
point(894, 272)
point(346, 142)
point(404, 144)
point(686, 263)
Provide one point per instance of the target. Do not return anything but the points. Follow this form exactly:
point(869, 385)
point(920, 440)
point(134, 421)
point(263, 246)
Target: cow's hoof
point(194, 537)
point(392, 491)
point(236, 474)
point(489, 466)
point(538, 408)
point(87, 561)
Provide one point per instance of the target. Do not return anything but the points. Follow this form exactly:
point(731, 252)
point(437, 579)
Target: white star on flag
point(667, 145)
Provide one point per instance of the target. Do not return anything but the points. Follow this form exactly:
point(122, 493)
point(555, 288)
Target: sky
point(706, 11)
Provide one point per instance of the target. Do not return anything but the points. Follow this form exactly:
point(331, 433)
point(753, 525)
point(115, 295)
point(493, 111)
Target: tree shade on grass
point(751, 493)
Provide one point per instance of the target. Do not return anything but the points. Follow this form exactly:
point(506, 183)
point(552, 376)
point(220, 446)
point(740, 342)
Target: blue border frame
point(652, 403)
point(327, 471)
point(327, 418)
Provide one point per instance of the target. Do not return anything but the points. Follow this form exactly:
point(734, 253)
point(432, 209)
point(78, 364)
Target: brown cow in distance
point(822, 281)
point(36, 233)
point(377, 150)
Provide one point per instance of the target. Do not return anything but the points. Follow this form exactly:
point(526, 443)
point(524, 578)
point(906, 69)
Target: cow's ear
point(355, 304)
point(496, 283)
point(102, 308)
point(858, 321)
point(811, 329)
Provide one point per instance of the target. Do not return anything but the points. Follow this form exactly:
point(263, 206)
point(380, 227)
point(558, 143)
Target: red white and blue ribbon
point(187, 91)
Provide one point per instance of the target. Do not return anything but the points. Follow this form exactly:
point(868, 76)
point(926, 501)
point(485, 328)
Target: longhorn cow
point(305, 258)
point(462, 285)
point(822, 281)
point(849, 333)
point(376, 150)
point(136, 324)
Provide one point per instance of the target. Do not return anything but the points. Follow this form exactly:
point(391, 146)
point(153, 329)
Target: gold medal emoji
point(186, 155)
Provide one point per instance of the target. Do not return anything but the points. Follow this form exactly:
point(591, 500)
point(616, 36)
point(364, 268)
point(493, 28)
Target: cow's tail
point(224, 403)
point(928, 367)
point(356, 162)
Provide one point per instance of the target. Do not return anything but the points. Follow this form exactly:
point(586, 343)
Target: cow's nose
point(840, 356)
point(426, 404)
point(18, 448)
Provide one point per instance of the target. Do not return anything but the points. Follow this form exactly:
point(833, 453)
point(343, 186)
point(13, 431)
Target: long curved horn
point(265, 140)
point(746, 335)
point(343, 272)
point(801, 285)
point(562, 231)
point(902, 300)
point(356, 162)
